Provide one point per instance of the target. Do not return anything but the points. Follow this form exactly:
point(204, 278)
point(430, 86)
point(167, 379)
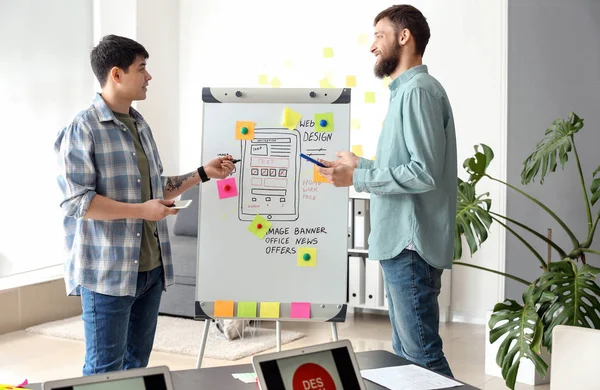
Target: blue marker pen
point(312, 160)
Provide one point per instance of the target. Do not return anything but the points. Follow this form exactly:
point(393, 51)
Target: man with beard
point(413, 186)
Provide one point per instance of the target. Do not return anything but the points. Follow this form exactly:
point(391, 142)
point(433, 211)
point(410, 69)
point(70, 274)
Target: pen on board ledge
point(312, 160)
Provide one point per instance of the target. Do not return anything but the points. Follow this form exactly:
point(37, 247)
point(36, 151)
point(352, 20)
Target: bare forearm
point(103, 208)
point(177, 185)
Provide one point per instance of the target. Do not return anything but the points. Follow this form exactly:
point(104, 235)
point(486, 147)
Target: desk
point(217, 378)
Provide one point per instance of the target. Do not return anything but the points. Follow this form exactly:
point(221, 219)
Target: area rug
point(183, 336)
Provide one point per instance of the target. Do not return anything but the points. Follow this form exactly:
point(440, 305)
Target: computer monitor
point(155, 378)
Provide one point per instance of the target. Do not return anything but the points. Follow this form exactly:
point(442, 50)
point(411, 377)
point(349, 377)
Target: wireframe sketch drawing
point(269, 175)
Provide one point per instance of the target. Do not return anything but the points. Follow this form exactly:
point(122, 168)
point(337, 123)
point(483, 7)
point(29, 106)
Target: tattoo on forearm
point(174, 182)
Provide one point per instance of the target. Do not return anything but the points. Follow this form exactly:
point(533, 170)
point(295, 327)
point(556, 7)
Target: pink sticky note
point(300, 310)
point(227, 188)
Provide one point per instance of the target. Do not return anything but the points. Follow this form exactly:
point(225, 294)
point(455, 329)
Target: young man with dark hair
point(115, 201)
point(412, 184)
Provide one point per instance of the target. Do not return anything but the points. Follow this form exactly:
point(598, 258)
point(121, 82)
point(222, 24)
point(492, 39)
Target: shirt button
point(135, 261)
point(134, 153)
point(139, 180)
point(138, 234)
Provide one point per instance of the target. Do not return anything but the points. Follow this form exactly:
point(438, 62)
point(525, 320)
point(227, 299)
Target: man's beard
point(386, 66)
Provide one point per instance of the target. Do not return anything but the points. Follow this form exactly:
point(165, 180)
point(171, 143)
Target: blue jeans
point(412, 287)
point(119, 331)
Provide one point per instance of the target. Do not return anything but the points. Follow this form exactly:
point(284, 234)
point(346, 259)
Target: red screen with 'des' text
point(311, 376)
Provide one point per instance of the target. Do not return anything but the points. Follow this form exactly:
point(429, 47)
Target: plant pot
point(527, 373)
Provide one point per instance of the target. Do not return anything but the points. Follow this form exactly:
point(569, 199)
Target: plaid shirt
point(96, 155)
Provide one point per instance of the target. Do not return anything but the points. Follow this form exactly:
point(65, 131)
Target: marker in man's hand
point(312, 160)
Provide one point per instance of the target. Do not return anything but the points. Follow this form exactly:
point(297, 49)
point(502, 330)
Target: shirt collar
point(407, 75)
point(105, 113)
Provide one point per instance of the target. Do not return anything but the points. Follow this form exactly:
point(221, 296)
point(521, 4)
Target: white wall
point(45, 79)
point(229, 43)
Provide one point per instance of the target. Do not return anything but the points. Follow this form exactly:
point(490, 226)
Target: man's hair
point(406, 16)
point(113, 51)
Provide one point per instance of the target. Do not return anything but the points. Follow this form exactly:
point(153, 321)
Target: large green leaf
point(595, 187)
point(477, 165)
point(523, 330)
point(576, 300)
point(556, 143)
point(472, 218)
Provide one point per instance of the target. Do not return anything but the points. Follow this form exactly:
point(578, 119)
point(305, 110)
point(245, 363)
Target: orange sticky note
point(244, 131)
point(350, 81)
point(269, 310)
point(223, 309)
point(358, 150)
point(369, 97)
point(317, 177)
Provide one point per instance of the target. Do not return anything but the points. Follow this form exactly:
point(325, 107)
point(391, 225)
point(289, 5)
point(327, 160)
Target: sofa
point(180, 297)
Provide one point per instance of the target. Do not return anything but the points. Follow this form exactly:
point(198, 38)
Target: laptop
point(154, 378)
point(320, 367)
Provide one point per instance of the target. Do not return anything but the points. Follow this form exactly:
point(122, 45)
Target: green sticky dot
point(244, 130)
point(306, 257)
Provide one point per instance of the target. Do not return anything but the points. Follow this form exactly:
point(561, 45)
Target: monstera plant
point(566, 292)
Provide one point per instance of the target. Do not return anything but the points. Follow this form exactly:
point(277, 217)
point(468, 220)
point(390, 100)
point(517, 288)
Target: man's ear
point(115, 74)
point(404, 36)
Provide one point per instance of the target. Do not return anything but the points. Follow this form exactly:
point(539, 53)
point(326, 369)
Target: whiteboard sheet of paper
point(409, 377)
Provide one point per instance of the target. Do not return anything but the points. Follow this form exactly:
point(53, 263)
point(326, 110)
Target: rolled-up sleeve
point(74, 150)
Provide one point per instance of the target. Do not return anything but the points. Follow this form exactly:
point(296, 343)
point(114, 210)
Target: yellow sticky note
point(244, 130)
point(259, 226)
point(350, 81)
point(324, 83)
point(263, 79)
point(355, 124)
point(369, 97)
point(317, 177)
point(327, 52)
point(246, 309)
point(386, 81)
point(288, 63)
point(275, 83)
point(290, 118)
point(223, 309)
point(358, 150)
point(324, 122)
point(307, 257)
point(373, 158)
point(363, 39)
point(269, 310)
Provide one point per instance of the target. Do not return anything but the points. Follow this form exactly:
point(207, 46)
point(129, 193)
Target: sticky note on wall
point(324, 83)
point(307, 257)
point(350, 81)
point(263, 79)
point(223, 308)
point(259, 226)
point(244, 131)
point(247, 309)
point(358, 150)
point(300, 310)
point(355, 124)
point(324, 122)
point(328, 52)
point(275, 83)
point(369, 97)
point(269, 310)
point(227, 188)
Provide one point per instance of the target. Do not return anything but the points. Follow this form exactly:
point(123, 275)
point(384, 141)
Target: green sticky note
point(324, 122)
point(369, 97)
point(246, 309)
point(328, 52)
point(269, 310)
point(259, 226)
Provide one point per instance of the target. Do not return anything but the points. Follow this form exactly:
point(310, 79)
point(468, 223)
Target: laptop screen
point(148, 382)
point(323, 370)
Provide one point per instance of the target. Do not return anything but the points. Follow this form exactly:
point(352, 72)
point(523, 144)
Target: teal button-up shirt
point(413, 180)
